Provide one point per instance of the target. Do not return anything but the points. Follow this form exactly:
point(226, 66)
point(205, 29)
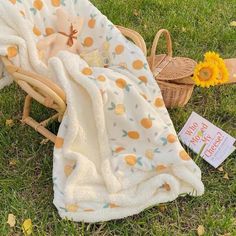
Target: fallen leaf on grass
point(27, 227)
point(135, 12)
point(162, 208)
point(234, 221)
point(221, 169)
point(200, 230)
point(233, 23)
point(226, 176)
point(12, 162)
point(9, 123)
point(11, 220)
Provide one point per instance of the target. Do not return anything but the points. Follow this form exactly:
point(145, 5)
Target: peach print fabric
point(117, 152)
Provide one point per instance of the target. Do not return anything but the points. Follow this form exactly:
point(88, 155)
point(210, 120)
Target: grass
point(26, 185)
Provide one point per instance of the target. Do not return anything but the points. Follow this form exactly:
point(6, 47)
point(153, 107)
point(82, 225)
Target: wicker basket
point(173, 74)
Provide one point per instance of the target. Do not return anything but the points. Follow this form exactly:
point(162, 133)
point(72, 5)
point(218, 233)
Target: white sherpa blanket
point(117, 152)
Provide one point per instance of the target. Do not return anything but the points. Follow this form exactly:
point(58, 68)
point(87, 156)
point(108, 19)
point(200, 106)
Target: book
point(201, 136)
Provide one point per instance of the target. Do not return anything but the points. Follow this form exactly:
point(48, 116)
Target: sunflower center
point(205, 74)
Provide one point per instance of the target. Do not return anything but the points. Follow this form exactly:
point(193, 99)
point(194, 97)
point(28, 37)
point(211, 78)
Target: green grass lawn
point(26, 165)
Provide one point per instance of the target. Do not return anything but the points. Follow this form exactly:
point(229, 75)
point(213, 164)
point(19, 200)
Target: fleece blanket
point(117, 151)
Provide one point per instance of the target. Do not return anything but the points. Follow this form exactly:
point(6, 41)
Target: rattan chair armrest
point(45, 81)
point(33, 88)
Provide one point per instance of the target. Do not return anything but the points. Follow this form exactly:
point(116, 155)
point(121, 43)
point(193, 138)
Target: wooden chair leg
point(39, 127)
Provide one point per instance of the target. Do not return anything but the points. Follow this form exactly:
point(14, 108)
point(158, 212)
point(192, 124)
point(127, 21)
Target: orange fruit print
point(49, 31)
point(149, 154)
point(36, 31)
point(131, 134)
point(12, 52)
point(88, 42)
point(119, 149)
point(91, 23)
point(68, 170)
point(113, 205)
point(146, 123)
point(131, 160)
point(119, 49)
point(38, 4)
point(159, 102)
point(138, 64)
point(184, 155)
point(101, 78)
point(56, 3)
point(13, 1)
point(143, 79)
point(121, 83)
point(161, 168)
point(171, 138)
point(120, 109)
point(72, 207)
point(87, 71)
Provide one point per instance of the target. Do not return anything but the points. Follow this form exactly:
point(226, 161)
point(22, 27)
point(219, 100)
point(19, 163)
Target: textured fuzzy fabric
point(117, 152)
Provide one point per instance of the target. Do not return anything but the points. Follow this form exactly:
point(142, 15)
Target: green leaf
point(125, 133)
point(33, 10)
point(164, 141)
point(157, 150)
point(106, 205)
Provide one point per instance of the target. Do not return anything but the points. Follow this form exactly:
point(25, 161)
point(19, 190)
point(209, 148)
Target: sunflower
point(212, 57)
point(212, 71)
point(205, 74)
point(223, 75)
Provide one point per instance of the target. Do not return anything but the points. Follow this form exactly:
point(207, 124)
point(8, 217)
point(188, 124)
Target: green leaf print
point(114, 55)
point(106, 205)
point(127, 88)
point(150, 117)
point(108, 38)
point(111, 27)
point(63, 2)
point(33, 10)
point(64, 209)
point(139, 161)
point(112, 107)
point(93, 15)
point(125, 133)
point(164, 141)
point(157, 150)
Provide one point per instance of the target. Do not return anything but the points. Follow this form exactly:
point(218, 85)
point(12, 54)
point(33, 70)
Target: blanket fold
point(117, 151)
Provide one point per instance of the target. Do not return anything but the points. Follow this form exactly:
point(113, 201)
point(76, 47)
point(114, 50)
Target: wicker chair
point(48, 93)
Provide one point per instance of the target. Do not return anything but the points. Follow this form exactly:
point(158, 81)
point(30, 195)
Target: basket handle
point(135, 37)
point(155, 42)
